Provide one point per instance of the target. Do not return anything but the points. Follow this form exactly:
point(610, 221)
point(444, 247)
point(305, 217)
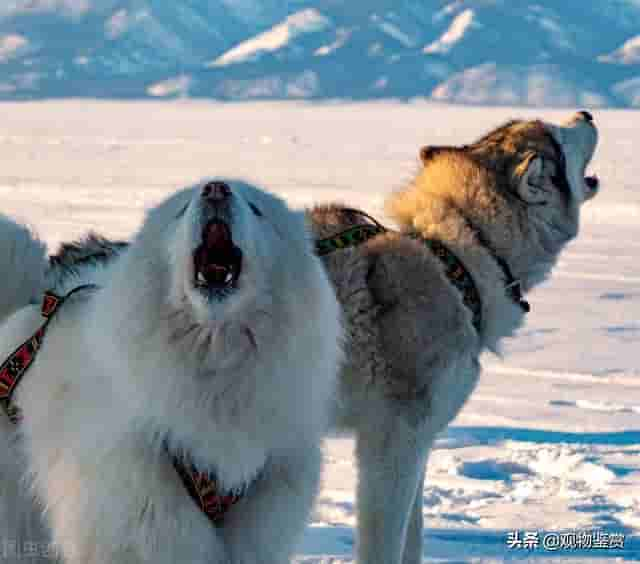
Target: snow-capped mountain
point(539, 52)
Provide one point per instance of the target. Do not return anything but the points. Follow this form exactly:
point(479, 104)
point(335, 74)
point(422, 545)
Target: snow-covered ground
point(551, 439)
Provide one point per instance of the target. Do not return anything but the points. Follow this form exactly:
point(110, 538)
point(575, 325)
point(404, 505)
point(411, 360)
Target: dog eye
point(255, 209)
point(182, 211)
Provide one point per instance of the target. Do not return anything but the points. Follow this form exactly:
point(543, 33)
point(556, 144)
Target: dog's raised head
point(522, 185)
point(226, 243)
point(542, 162)
point(222, 284)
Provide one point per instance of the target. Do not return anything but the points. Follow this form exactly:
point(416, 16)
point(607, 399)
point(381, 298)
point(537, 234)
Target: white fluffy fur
point(22, 263)
point(241, 384)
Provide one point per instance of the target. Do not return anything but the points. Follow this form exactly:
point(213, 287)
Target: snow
point(629, 90)
point(304, 86)
point(557, 33)
point(342, 36)
point(459, 26)
point(477, 85)
point(393, 31)
point(11, 45)
point(466, 51)
point(300, 23)
point(81, 60)
point(301, 85)
point(71, 7)
point(541, 85)
point(117, 24)
point(627, 54)
point(550, 439)
point(178, 86)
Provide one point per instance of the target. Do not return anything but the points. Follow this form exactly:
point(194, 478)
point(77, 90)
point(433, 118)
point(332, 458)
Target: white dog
point(207, 348)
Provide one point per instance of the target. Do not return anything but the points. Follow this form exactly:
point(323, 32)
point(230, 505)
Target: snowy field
point(550, 441)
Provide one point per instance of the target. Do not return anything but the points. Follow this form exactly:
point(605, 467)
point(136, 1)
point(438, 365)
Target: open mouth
point(592, 182)
point(217, 261)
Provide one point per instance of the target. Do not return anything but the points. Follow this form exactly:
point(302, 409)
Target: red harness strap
point(12, 370)
point(203, 488)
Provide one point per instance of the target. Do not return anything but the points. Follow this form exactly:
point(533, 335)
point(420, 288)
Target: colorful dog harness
point(12, 370)
point(203, 488)
point(455, 270)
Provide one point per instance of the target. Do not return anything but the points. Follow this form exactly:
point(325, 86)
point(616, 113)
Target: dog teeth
point(202, 281)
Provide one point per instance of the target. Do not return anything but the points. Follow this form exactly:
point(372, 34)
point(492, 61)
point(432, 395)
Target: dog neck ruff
point(512, 284)
point(455, 270)
point(204, 488)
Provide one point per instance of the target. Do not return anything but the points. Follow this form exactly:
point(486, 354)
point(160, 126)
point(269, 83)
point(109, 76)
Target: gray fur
point(412, 353)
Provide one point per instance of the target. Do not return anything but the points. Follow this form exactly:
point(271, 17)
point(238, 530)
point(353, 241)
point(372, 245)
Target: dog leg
point(414, 543)
point(390, 461)
point(264, 527)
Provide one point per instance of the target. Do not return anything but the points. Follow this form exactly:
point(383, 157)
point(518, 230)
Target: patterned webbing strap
point(205, 490)
point(454, 268)
point(13, 369)
point(459, 276)
point(349, 238)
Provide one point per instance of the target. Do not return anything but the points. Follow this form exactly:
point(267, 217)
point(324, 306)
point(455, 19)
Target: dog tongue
point(216, 259)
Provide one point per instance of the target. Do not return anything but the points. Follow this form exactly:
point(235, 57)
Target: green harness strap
point(455, 270)
point(351, 237)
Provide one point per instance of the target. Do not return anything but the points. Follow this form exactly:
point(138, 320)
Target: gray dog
point(479, 226)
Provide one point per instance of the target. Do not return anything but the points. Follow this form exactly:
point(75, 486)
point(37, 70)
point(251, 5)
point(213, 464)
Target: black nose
point(216, 190)
point(586, 115)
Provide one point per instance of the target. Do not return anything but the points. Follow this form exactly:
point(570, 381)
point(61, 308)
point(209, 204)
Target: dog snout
point(580, 129)
point(216, 191)
point(584, 116)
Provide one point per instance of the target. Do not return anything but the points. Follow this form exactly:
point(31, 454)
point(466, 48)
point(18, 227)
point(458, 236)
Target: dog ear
point(428, 152)
point(529, 179)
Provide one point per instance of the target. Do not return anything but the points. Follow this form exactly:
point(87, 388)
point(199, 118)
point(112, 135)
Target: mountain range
point(505, 52)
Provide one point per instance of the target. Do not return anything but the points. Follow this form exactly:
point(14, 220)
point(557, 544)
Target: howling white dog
point(176, 401)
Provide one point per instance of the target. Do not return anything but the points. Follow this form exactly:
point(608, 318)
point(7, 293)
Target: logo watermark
point(28, 549)
point(595, 539)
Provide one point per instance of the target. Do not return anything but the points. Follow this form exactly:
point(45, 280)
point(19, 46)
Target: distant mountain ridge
point(538, 53)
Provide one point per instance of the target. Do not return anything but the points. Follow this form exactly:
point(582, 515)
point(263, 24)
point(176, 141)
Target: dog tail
point(23, 263)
